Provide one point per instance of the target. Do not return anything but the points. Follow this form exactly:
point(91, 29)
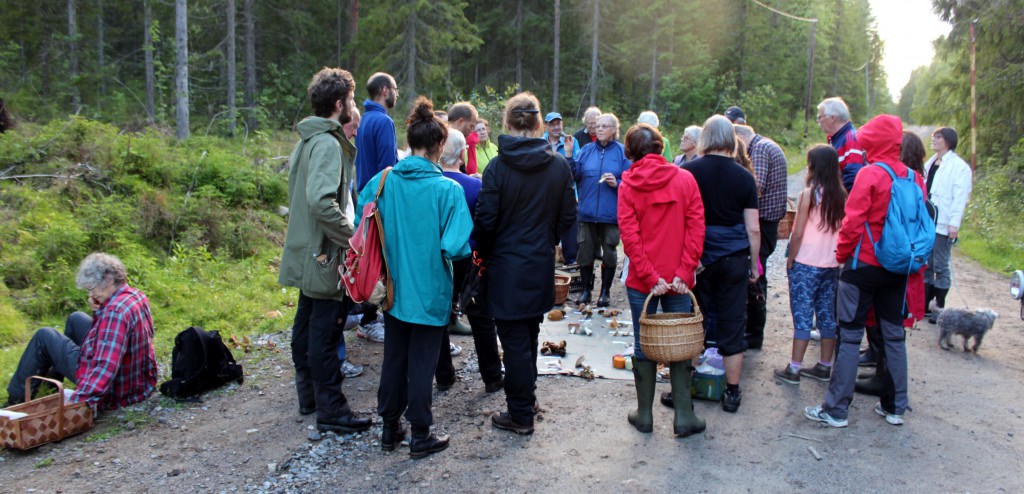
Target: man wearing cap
point(566, 146)
point(735, 115)
point(834, 119)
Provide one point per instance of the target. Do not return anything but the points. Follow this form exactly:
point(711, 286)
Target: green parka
point(317, 224)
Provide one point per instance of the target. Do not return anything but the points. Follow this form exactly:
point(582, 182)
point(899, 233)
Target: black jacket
point(526, 204)
point(582, 137)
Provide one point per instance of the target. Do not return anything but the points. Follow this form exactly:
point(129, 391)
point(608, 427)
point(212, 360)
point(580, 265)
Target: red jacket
point(869, 199)
point(661, 223)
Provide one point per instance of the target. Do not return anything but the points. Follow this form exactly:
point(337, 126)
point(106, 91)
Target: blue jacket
point(376, 142)
point(598, 202)
point(426, 226)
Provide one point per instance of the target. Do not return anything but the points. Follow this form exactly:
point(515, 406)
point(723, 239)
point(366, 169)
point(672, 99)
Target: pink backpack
point(364, 274)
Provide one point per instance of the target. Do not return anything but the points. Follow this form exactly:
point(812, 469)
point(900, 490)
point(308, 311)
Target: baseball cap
point(552, 116)
point(735, 115)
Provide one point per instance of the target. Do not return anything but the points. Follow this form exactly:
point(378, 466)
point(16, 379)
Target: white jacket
point(950, 190)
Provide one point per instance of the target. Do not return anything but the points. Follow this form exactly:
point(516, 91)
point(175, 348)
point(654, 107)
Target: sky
point(908, 28)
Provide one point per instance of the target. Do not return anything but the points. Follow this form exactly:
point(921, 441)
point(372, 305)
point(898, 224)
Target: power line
point(791, 16)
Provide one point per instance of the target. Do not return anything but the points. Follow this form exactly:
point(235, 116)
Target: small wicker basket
point(46, 419)
point(561, 288)
point(786, 224)
point(670, 336)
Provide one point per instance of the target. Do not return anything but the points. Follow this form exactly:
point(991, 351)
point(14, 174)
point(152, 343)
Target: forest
point(158, 130)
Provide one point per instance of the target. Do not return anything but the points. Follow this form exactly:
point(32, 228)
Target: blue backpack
point(908, 233)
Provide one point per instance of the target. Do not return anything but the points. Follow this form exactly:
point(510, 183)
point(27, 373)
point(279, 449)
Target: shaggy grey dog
point(965, 323)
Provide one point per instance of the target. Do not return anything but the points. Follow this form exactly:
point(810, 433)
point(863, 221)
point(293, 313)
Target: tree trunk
point(741, 45)
point(593, 54)
point(558, 41)
point(76, 101)
point(231, 67)
point(181, 68)
point(519, 44)
point(100, 56)
point(835, 48)
point(147, 47)
point(337, 25)
point(250, 65)
point(654, 69)
point(353, 28)
point(411, 54)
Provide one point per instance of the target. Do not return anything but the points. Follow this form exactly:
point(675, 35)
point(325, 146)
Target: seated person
point(108, 356)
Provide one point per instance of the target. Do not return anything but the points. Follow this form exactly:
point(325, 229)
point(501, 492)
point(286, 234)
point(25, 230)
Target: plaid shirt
point(770, 166)
point(118, 364)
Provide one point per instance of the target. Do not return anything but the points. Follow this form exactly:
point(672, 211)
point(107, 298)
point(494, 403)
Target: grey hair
point(835, 107)
point(693, 131)
point(613, 118)
point(592, 111)
point(744, 132)
point(649, 118)
point(97, 268)
point(718, 135)
point(453, 147)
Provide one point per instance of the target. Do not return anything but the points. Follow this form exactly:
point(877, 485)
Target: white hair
point(453, 147)
point(835, 107)
point(693, 132)
point(649, 118)
point(98, 268)
point(718, 135)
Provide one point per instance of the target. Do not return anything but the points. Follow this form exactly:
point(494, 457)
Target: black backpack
point(200, 362)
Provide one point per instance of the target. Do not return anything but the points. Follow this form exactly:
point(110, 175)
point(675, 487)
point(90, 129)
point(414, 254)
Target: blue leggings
point(812, 294)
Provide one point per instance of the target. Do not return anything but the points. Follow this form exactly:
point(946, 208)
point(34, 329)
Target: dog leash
point(952, 275)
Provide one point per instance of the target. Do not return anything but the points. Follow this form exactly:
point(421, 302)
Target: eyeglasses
point(604, 126)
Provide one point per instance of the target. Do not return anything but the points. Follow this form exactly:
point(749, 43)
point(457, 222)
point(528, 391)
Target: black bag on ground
point(200, 362)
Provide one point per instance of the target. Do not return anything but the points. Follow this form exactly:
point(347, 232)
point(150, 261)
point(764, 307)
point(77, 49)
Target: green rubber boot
point(686, 422)
point(644, 375)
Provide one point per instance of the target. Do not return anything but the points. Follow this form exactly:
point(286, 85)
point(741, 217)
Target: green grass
point(991, 231)
point(43, 463)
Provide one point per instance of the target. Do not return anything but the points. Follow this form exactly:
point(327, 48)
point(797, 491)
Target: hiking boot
point(503, 420)
point(891, 418)
point(346, 423)
point(819, 372)
point(731, 400)
point(607, 278)
point(642, 417)
point(373, 331)
point(426, 443)
point(495, 386)
point(815, 335)
point(788, 374)
point(454, 349)
point(351, 370)
point(818, 415)
point(391, 435)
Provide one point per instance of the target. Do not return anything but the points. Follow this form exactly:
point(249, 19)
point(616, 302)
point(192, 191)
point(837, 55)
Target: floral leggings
point(812, 294)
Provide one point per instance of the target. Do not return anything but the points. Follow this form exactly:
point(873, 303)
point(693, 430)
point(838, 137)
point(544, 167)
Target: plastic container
point(707, 386)
point(712, 358)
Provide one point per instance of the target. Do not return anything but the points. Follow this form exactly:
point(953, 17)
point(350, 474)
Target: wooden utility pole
point(974, 104)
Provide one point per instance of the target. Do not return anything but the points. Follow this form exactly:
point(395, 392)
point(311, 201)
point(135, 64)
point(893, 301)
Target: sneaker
point(818, 415)
point(731, 400)
point(454, 349)
point(788, 374)
point(373, 331)
point(815, 335)
point(891, 418)
point(351, 370)
point(819, 372)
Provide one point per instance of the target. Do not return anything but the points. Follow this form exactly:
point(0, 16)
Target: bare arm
point(799, 224)
point(753, 225)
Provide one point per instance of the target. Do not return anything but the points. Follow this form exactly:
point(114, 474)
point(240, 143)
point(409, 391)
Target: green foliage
point(192, 222)
point(991, 230)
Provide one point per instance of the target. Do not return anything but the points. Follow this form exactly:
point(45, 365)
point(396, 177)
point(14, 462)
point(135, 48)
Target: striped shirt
point(117, 366)
point(770, 167)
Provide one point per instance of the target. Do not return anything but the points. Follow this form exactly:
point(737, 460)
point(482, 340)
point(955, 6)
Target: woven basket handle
point(696, 308)
point(60, 404)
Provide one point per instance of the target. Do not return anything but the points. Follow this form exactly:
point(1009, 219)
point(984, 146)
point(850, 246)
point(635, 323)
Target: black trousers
point(485, 339)
point(757, 305)
point(315, 338)
point(51, 354)
point(721, 292)
point(519, 340)
point(410, 359)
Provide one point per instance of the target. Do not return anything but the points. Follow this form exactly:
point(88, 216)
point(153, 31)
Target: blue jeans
point(51, 354)
point(669, 303)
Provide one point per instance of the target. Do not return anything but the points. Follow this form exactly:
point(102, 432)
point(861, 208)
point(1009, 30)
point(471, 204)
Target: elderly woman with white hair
point(485, 336)
point(731, 244)
point(688, 145)
point(109, 356)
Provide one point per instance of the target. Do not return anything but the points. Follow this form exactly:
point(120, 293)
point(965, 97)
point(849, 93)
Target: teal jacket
point(426, 226)
point(317, 199)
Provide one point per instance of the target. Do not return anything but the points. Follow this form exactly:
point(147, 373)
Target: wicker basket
point(786, 224)
point(47, 419)
point(672, 337)
point(561, 288)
